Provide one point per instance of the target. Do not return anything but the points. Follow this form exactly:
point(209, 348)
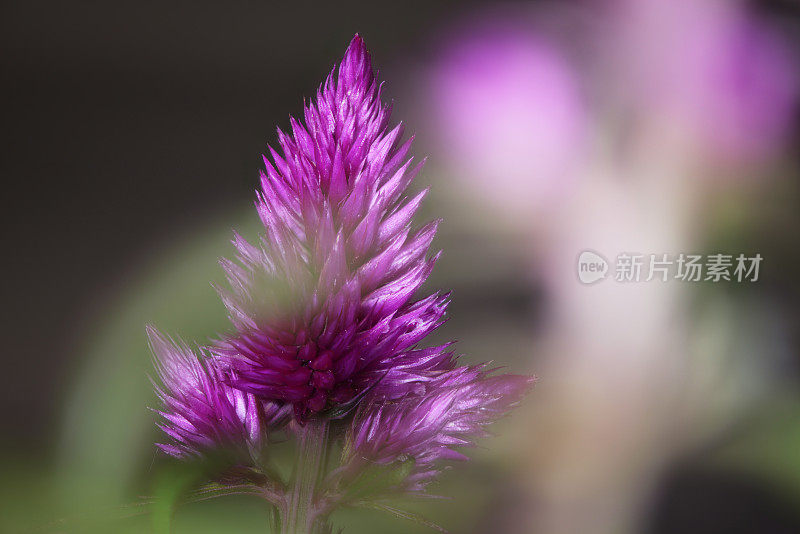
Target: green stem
point(299, 515)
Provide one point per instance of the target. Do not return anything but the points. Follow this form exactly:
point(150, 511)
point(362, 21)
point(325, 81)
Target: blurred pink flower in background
point(516, 112)
point(507, 113)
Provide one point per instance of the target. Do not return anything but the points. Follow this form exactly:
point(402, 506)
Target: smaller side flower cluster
point(200, 410)
point(449, 411)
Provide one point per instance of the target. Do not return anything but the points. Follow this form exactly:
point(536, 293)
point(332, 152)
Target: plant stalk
point(299, 515)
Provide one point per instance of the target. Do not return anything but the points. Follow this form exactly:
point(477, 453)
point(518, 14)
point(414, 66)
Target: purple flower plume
point(326, 325)
point(200, 410)
point(322, 303)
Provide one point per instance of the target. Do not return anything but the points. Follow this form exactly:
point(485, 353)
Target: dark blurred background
point(131, 125)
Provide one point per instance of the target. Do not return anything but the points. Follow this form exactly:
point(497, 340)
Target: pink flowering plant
point(326, 341)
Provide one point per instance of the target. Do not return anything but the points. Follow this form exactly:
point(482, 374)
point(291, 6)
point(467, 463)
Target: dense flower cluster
point(325, 321)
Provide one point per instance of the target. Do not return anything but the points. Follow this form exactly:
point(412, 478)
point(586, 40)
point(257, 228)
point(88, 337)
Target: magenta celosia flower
point(322, 304)
point(200, 410)
point(326, 328)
